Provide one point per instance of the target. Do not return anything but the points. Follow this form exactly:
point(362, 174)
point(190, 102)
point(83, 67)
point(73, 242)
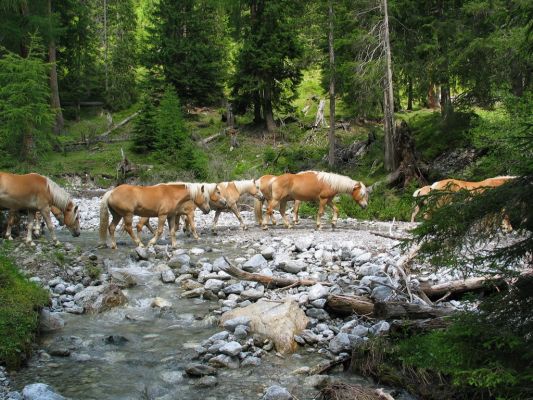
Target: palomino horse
point(313, 186)
point(34, 192)
point(263, 185)
point(38, 219)
point(455, 185)
point(162, 201)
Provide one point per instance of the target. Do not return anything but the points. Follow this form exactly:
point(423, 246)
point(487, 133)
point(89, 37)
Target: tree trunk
point(257, 109)
point(446, 107)
point(105, 48)
point(395, 310)
point(402, 326)
point(267, 109)
point(432, 97)
point(345, 305)
point(391, 158)
point(331, 136)
point(410, 94)
point(461, 286)
point(55, 101)
point(28, 147)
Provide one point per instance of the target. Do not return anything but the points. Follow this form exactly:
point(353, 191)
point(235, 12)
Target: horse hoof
point(264, 227)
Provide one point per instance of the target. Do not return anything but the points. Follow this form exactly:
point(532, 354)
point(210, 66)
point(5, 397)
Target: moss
point(20, 301)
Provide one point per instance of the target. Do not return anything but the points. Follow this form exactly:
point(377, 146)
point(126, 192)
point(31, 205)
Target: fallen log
point(277, 281)
point(349, 304)
point(419, 325)
point(346, 391)
point(395, 310)
point(208, 139)
point(460, 286)
point(120, 124)
point(326, 366)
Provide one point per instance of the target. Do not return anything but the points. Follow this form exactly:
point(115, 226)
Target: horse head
point(72, 218)
point(360, 194)
point(255, 191)
point(217, 198)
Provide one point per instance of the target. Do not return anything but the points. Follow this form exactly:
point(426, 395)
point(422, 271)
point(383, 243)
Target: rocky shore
point(255, 319)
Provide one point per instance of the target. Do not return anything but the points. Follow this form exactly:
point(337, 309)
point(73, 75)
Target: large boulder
point(40, 391)
point(96, 299)
point(273, 320)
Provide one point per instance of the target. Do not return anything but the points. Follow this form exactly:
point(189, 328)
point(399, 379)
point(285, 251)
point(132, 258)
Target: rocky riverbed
point(144, 323)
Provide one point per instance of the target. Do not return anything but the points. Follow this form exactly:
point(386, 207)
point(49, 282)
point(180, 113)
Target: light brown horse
point(313, 186)
point(34, 192)
point(162, 201)
point(455, 185)
point(263, 185)
point(38, 219)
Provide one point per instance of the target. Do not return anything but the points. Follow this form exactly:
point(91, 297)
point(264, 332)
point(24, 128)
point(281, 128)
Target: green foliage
point(25, 114)
point(145, 130)
point(292, 158)
point(93, 271)
point(188, 40)
point(20, 301)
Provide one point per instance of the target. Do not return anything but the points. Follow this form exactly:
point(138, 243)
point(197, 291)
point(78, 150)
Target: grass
point(20, 301)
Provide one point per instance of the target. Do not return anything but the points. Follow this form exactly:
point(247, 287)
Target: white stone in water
point(159, 302)
point(168, 276)
point(251, 361)
point(317, 291)
point(224, 361)
point(197, 251)
point(49, 322)
point(40, 391)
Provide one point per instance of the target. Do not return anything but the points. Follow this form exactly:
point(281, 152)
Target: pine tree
point(145, 129)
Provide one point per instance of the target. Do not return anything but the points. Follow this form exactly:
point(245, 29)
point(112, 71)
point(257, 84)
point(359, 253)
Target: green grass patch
point(20, 301)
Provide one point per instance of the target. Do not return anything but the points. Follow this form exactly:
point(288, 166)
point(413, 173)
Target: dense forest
point(396, 93)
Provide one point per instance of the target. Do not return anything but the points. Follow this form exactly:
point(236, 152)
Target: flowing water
point(140, 352)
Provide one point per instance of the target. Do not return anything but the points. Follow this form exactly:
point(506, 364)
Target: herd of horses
point(168, 202)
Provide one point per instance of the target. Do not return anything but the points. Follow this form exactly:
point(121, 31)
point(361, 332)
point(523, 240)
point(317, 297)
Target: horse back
point(23, 191)
point(148, 201)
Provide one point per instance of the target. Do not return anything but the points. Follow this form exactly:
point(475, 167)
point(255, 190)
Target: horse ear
point(202, 189)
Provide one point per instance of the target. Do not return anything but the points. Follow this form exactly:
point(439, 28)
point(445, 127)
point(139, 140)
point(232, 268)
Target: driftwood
point(419, 325)
point(319, 119)
point(277, 281)
point(457, 287)
point(120, 124)
point(212, 137)
point(349, 304)
point(319, 369)
point(346, 391)
point(395, 309)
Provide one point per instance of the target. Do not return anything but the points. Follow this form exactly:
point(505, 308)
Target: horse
point(187, 209)
point(313, 186)
point(34, 192)
point(455, 185)
point(162, 201)
point(263, 185)
point(38, 219)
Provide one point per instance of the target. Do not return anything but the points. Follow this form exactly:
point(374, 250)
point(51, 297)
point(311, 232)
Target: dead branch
point(120, 124)
point(460, 286)
point(349, 304)
point(394, 309)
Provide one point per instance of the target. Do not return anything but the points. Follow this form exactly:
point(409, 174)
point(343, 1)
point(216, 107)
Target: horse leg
point(321, 206)
point(37, 225)
point(10, 223)
point(269, 211)
point(112, 226)
point(335, 215)
point(160, 226)
point(284, 217)
point(235, 211)
point(48, 220)
point(128, 227)
point(30, 229)
point(295, 209)
point(192, 225)
point(172, 230)
point(215, 220)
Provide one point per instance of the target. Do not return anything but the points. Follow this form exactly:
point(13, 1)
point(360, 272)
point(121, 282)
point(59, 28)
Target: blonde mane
point(196, 188)
point(243, 186)
point(60, 198)
point(340, 183)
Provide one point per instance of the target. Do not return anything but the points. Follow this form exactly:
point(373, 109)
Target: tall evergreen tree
point(188, 39)
point(267, 69)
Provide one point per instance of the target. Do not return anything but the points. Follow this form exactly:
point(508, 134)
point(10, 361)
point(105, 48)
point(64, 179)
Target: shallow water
point(149, 348)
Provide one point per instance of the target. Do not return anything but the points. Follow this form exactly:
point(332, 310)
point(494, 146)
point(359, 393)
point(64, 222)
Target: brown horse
point(38, 220)
point(455, 185)
point(34, 192)
point(162, 201)
point(263, 185)
point(313, 186)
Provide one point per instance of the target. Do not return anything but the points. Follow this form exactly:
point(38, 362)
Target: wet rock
point(317, 291)
point(49, 322)
point(183, 277)
point(317, 381)
point(96, 299)
point(268, 252)
point(190, 284)
point(214, 285)
point(220, 264)
point(196, 251)
point(40, 391)
point(251, 361)
point(141, 253)
point(193, 293)
point(276, 321)
point(179, 260)
point(59, 351)
point(206, 382)
point(231, 348)
point(199, 370)
point(231, 324)
point(277, 393)
point(218, 336)
point(159, 302)
point(255, 264)
point(172, 377)
point(116, 340)
point(224, 361)
point(168, 276)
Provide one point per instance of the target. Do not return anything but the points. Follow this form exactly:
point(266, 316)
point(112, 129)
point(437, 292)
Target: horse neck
point(58, 197)
point(244, 186)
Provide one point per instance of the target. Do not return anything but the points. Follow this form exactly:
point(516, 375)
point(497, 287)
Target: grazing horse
point(38, 219)
point(162, 201)
point(263, 185)
point(313, 186)
point(34, 192)
point(455, 185)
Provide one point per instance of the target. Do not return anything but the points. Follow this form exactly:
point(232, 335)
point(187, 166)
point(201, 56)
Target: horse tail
point(258, 208)
point(104, 217)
